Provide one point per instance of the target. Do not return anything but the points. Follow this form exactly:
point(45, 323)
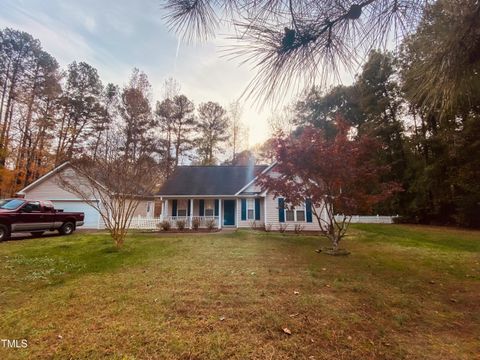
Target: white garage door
point(92, 216)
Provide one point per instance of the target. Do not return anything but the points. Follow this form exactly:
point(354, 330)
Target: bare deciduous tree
point(113, 185)
point(281, 121)
point(237, 129)
point(166, 111)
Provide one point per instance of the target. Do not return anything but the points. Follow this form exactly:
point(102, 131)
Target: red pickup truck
point(35, 217)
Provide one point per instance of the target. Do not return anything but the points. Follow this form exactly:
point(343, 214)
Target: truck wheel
point(4, 233)
point(37, 233)
point(67, 228)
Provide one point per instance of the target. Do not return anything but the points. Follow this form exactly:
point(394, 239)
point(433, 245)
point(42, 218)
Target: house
point(48, 187)
point(231, 197)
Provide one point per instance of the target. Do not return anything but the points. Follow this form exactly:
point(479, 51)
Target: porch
point(204, 212)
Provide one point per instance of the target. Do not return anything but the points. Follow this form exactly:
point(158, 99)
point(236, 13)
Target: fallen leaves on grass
point(287, 331)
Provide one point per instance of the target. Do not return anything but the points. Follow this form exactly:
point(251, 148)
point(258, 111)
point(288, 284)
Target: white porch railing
point(144, 223)
point(373, 219)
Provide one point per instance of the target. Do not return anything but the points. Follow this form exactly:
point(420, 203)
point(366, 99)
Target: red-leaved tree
point(338, 175)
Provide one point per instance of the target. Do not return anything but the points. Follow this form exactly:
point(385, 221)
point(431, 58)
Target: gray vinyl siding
point(49, 189)
point(272, 217)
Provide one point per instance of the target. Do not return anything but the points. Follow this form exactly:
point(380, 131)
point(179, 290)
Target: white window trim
point(248, 208)
point(209, 204)
point(185, 204)
point(295, 209)
point(182, 210)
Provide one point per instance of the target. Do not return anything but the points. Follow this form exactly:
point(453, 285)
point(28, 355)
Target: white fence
point(373, 219)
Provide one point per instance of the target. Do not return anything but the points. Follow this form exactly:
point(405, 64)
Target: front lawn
point(405, 292)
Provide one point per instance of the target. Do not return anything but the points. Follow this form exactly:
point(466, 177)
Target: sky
point(115, 36)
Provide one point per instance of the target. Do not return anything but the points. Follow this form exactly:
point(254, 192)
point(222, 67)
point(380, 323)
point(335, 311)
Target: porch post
point(165, 217)
point(237, 212)
point(191, 212)
point(219, 213)
point(265, 210)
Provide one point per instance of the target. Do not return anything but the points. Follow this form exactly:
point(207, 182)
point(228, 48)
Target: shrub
point(267, 227)
point(195, 223)
point(181, 224)
point(210, 223)
point(298, 228)
point(165, 225)
point(282, 228)
point(253, 224)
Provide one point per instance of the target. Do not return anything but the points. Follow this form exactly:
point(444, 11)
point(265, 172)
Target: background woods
point(49, 115)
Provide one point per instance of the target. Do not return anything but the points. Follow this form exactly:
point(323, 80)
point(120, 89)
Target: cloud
point(57, 39)
point(117, 35)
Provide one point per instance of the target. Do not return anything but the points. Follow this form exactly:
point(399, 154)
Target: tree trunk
point(118, 236)
point(4, 92)
point(5, 134)
point(335, 242)
point(168, 154)
point(21, 168)
point(61, 136)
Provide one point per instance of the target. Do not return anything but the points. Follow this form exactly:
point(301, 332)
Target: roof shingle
point(209, 180)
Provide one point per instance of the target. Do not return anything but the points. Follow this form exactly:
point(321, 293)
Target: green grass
point(405, 292)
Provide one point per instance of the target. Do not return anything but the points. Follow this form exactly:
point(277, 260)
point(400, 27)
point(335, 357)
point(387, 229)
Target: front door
point(228, 212)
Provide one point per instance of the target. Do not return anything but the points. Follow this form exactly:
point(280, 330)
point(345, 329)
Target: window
point(32, 206)
point(300, 215)
point(181, 212)
point(290, 215)
point(209, 207)
point(208, 212)
point(250, 209)
point(296, 214)
point(11, 204)
point(182, 206)
point(48, 206)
